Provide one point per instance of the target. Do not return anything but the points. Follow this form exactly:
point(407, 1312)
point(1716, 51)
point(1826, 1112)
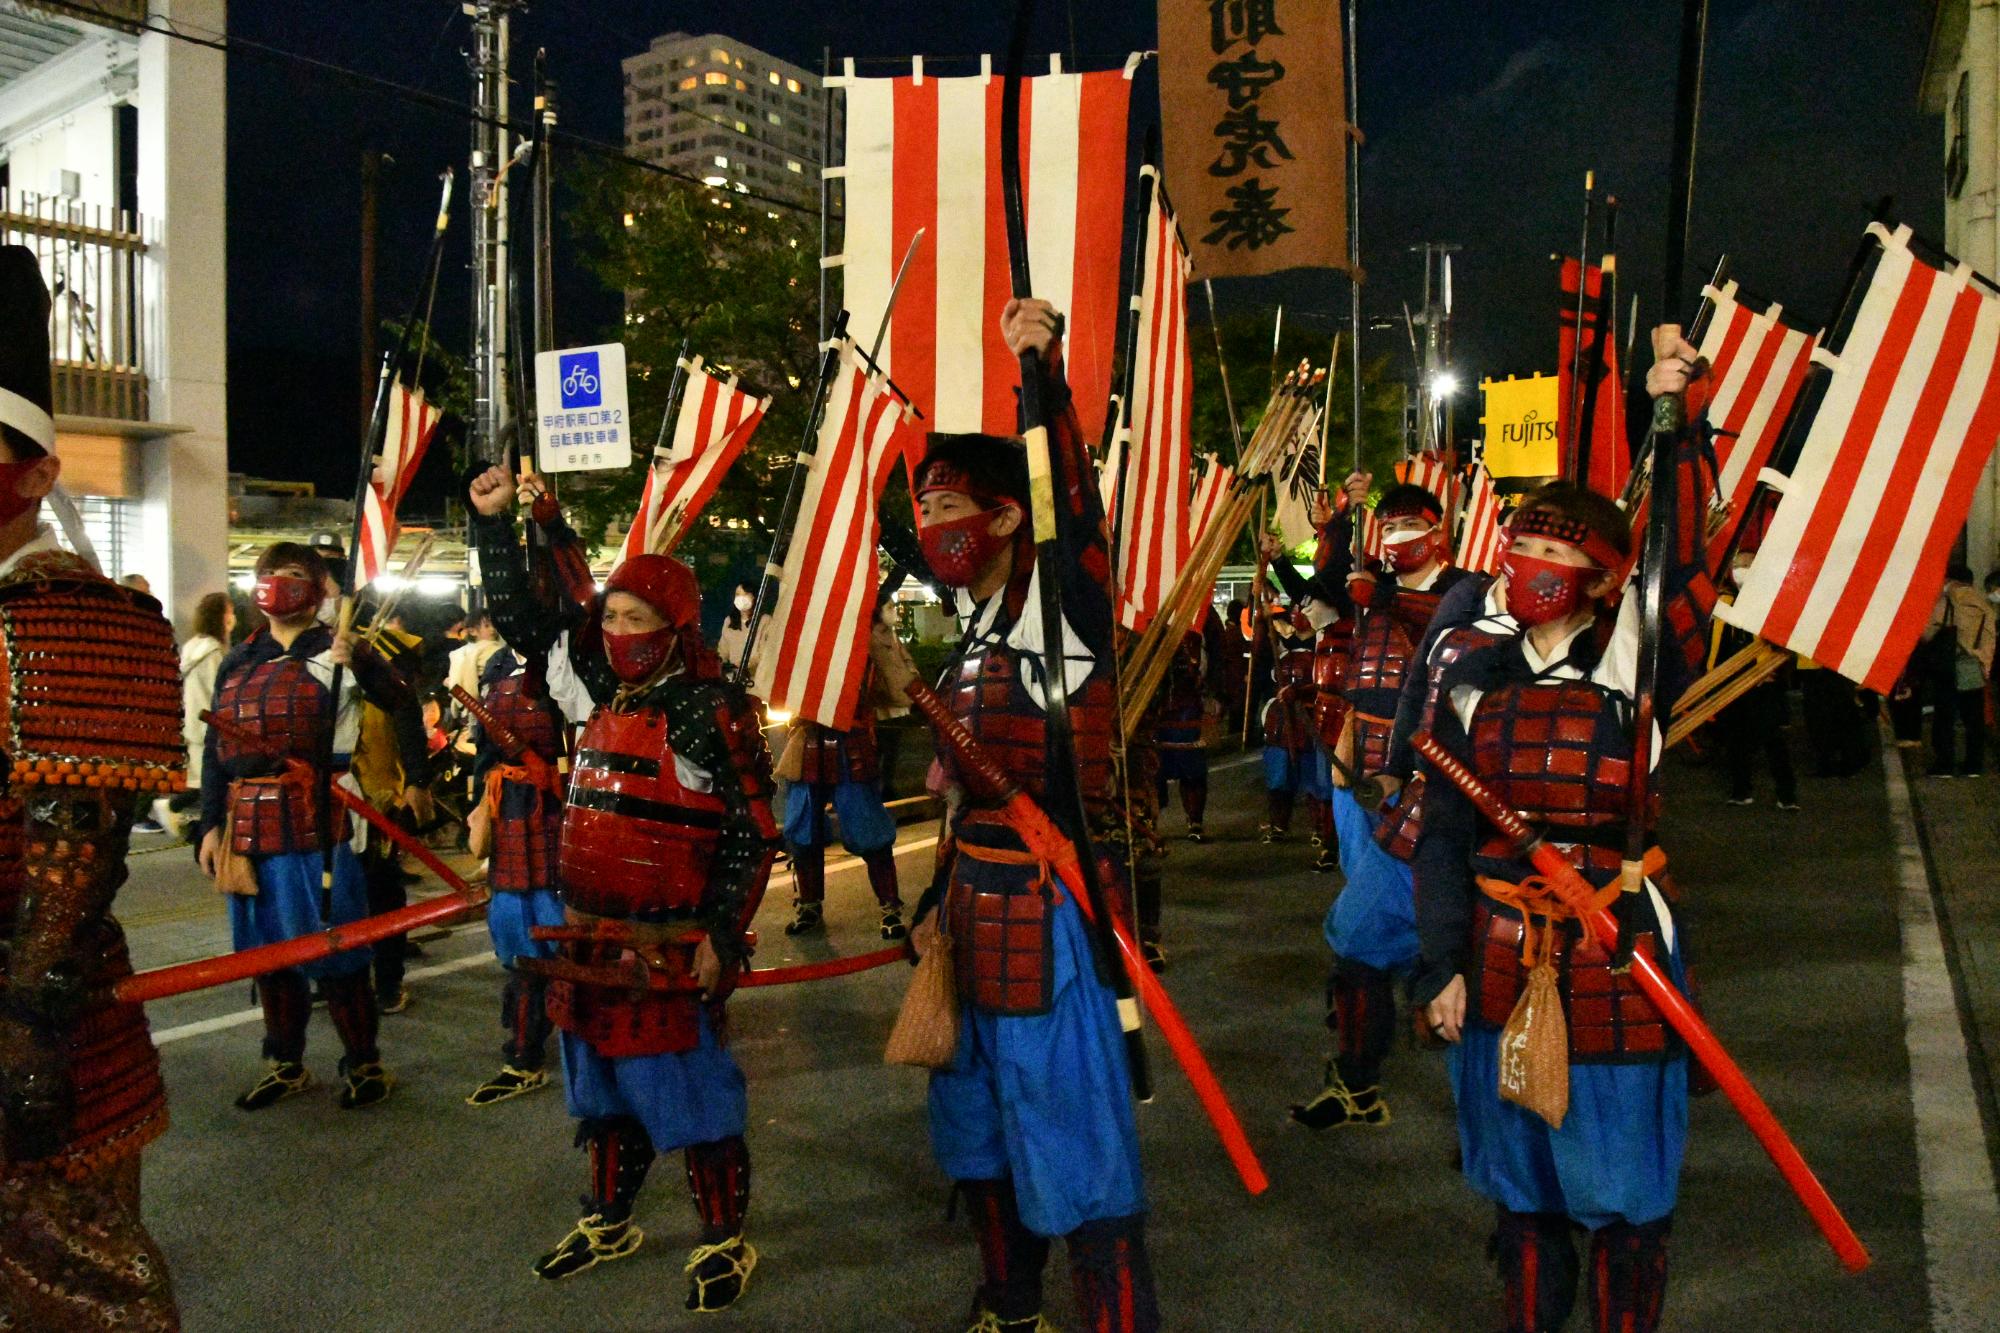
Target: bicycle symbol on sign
point(581, 383)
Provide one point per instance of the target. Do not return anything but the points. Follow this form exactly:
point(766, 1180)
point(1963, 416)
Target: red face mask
point(638, 657)
point(1410, 556)
point(957, 549)
point(283, 595)
point(12, 503)
point(1540, 591)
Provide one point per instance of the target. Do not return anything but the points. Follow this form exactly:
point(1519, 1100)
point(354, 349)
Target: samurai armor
point(527, 838)
point(518, 704)
point(830, 757)
point(1012, 729)
point(1628, 1276)
point(90, 725)
point(269, 816)
point(1011, 1257)
point(1558, 751)
point(1538, 1269)
point(1288, 718)
point(997, 912)
point(1610, 1019)
point(620, 1155)
point(280, 702)
point(1331, 652)
point(718, 1176)
point(638, 837)
point(1403, 823)
point(1114, 1280)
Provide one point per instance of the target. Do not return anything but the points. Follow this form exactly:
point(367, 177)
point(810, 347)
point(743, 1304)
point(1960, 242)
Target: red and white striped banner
point(412, 424)
point(924, 152)
point(1209, 493)
point(1758, 364)
point(1479, 539)
point(712, 424)
point(1430, 472)
point(816, 644)
point(1158, 432)
point(1855, 554)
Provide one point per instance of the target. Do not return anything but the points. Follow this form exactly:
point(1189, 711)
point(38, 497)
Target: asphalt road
point(424, 1214)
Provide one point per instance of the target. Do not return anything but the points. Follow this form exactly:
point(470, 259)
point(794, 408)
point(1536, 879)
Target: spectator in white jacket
point(201, 658)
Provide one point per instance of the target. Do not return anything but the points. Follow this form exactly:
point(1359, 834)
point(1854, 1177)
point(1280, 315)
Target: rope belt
point(1535, 897)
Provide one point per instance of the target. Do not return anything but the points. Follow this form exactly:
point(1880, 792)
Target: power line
point(421, 97)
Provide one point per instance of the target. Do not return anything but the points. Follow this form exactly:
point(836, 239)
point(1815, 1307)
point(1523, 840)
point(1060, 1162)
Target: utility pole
point(491, 147)
point(1435, 380)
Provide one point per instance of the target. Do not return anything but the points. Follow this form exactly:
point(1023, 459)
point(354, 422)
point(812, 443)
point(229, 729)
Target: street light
point(1444, 384)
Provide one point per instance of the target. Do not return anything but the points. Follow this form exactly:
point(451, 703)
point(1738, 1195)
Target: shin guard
point(718, 1176)
point(620, 1154)
point(1114, 1281)
point(524, 1013)
point(287, 1001)
point(881, 877)
point(1538, 1269)
point(350, 1003)
point(1361, 1010)
point(1279, 804)
point(809, 874)
point(1011, 1257)
point(1628, 1276)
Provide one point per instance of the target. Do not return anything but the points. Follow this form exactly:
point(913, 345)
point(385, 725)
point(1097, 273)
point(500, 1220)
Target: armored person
point(666, 844)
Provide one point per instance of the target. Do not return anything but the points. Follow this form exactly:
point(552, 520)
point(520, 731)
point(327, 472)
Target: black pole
point(781, 535)
point(1687, 126)
point(1063, 793)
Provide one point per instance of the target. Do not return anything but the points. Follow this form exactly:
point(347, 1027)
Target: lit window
point(775, 78)
point(741, 128)
point(715, 180)
point(774, 118)
point(715, 79)
point(739, 62)
point(791, 165)
point(792, 85)
point(688, 84)
point(721, 161)
point(740, 88)
point(718, 55)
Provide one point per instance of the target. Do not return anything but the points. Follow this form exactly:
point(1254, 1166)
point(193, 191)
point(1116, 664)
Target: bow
point(1065, 799)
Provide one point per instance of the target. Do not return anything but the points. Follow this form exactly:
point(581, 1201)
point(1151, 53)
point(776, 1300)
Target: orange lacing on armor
point(1536, 897)
point(1006, 856)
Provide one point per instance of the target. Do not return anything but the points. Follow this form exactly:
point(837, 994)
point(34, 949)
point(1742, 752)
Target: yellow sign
point(1520, 426)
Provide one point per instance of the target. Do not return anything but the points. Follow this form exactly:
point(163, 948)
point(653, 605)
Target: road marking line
point(237, 1019)
point(1960, 1209)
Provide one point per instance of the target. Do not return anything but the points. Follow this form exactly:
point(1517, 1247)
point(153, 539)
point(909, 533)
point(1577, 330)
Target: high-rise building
point(727, 113)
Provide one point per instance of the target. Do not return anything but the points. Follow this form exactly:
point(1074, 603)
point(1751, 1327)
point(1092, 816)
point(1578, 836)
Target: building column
point(1971, 232)
point(185, 476)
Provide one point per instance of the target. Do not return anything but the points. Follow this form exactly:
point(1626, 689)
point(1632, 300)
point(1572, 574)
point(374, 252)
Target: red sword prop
point(1576, 893)
point(1047, 841)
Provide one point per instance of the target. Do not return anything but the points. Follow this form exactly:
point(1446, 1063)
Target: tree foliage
point(732, 282)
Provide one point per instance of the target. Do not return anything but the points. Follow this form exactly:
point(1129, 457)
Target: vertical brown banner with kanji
point(1254, 119)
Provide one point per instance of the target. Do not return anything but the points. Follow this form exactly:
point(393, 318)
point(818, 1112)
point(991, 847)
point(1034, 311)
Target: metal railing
point(103, 299)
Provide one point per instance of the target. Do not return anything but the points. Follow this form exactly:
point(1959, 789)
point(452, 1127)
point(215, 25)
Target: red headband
point(1555, 527)
point(944, 475)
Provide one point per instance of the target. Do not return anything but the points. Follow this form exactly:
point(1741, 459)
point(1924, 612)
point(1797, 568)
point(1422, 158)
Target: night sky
point(1480, 119)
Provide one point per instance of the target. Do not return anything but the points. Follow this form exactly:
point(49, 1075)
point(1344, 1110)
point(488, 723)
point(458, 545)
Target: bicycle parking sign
point(583, 423)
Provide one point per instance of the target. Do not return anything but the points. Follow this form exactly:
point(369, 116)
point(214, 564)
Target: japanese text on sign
point(582, 420)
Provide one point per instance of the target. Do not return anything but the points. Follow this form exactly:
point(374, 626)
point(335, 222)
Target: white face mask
point(1993, 596)
point(744, 603)
point(329, 610)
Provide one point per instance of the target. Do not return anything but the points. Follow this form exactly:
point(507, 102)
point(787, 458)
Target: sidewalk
point(1958, 820)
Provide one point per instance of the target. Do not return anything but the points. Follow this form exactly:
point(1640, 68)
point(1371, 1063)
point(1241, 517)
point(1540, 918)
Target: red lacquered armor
point(637, 843)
